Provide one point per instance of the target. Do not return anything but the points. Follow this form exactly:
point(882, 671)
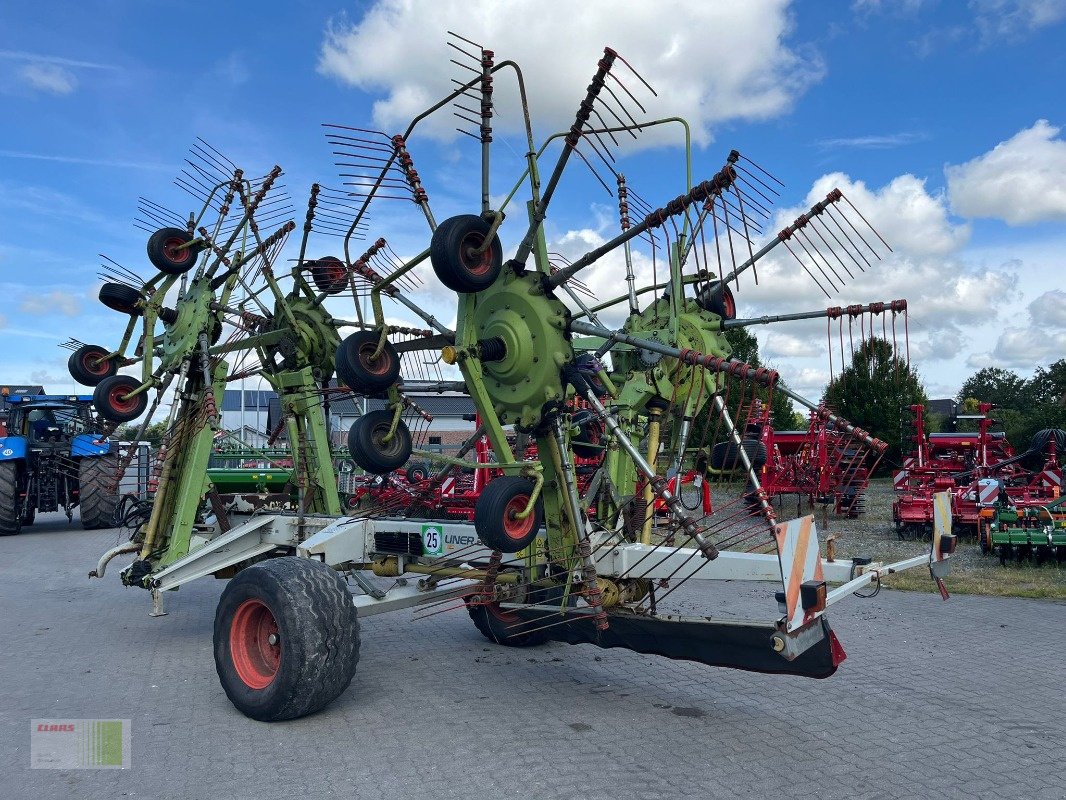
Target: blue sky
point(942, 120)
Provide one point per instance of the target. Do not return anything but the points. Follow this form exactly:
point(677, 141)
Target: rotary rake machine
point(547, 555)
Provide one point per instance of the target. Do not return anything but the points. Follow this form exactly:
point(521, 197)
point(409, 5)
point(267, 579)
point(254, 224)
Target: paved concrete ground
point(959, 699)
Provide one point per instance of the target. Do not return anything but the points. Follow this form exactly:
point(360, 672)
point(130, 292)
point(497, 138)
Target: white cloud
point(716, 61)
point(1021, 180)
point(924, 267)
point(1040, 341)
point(1023, 349)
point(1049, 309)
point(787, 345)
point(997, 20)
point(883, 141)
point(903, 7)
point(912, 220)
point(941, 345)
point(49, 78)
point(56, 301)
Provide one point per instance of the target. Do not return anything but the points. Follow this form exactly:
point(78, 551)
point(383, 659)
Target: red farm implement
point(979, 468)
point(830, 462)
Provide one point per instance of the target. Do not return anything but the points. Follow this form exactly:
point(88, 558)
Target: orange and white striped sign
point(797, 548)
point(899, 478)
point(941, 522)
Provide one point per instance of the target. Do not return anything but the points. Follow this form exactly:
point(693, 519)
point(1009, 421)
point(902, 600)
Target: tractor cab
point(50, 422)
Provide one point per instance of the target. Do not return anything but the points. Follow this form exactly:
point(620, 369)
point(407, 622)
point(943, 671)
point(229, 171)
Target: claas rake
point(581, 423)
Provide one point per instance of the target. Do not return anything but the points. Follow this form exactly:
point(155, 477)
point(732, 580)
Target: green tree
point(1003, 387)
point(874, 391)
point(1023, 406)
point(1048, 384)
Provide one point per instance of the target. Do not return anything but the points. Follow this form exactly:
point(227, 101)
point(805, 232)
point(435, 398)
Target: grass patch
point(1047, 582)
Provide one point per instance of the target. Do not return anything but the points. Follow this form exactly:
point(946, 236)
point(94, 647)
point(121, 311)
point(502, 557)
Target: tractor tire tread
point(317, 620)
point(10, 515)
point(96, 501)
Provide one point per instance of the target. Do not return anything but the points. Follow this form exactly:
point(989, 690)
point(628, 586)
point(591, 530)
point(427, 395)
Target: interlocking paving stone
point(961, 699)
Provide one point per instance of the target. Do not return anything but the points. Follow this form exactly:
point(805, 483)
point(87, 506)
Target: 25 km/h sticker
point(432, 540)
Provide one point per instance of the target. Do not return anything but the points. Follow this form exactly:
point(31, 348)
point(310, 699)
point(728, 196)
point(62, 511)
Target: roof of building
point(946, 407)
point(253, 399)
point(450, 405)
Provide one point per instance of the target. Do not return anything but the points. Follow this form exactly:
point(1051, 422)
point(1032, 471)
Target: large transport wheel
point(97, 491)
point(501, 625)
point(359, 370)
point(87, 367)
point(718, 299)
point(726, 455)
point(451, 252)
point(166, 253)
point(329, 275)
point(366, 445)
point(121, 298)
point(496, 510)
point(11, 499)
point(113, 402)
point(286, 638)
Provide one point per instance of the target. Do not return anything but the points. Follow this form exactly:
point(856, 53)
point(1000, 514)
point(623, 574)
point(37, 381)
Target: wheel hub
point(532, 327)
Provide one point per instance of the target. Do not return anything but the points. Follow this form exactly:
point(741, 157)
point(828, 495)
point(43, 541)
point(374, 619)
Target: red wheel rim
point(514, 528)
point(94, 363)
point(118, 400)
point(494, 610)
point(172, 253)
point(329, 275)
point(475, 263)
point(375, 366)
point(729, 305)
point(255, 644)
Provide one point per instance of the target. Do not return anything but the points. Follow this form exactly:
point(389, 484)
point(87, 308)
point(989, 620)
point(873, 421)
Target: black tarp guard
point(718, 644)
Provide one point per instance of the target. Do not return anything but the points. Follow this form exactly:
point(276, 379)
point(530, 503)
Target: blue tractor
point(52, 458)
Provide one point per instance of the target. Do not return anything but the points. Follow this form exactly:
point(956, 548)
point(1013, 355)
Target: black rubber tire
point(163, 256)
point(454, 266)
point(97, 499)
point(495, 625)
point(329, 275)
point(121, 298)
point(82, 369)
point(1034, 460)
point(494, 514)
point(10, 502)
point(725, 456)
point(108, 394)
point(367, 449)
point(417, 472)
point(589, 440)
point(319, 632)
point(718, 299)
point(358, 372)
